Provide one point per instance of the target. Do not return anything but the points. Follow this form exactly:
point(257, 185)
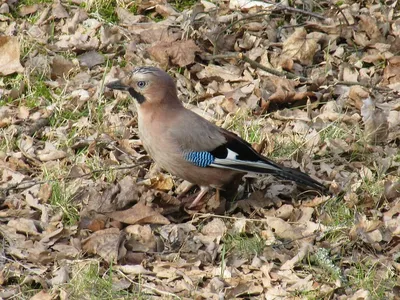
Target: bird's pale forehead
point(145, 70)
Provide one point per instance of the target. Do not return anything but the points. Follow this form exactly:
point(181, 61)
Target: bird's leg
point(203, 191)
point(217, 195)
point(187, 188)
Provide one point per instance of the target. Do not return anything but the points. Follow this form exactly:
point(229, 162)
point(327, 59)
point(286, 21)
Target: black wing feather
point(254, 162)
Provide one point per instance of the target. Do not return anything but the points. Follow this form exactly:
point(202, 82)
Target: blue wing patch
point(200, 159)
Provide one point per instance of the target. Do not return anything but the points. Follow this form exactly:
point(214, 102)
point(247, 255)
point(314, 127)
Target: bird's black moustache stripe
point(138, 96)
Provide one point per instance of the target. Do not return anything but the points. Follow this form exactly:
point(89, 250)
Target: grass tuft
point(248, 128)
point(61, 198)
point(102, 9)
point(372, 276)
point(87, 283)
point(243, 245)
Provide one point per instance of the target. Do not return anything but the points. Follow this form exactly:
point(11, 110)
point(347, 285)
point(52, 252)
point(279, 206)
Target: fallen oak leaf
point(181, 53)
point(9, 55)
point(162, 182)
point(375, 121)
point(139, 214)
point(300, 46)
point(42, 295)
point(133, 269)
point(104, 243)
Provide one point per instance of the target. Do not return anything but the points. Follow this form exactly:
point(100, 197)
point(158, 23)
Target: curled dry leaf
point(367, 230)
point(133, 269)
point(227, 74)
point(114, 197)
point(162, 182)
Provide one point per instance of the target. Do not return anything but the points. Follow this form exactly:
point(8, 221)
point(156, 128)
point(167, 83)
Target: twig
point(296, 10)
point(28, 184)
point(344, 16)
point(209, 215)
point(289, 75)
point(233, 24)
point(255, 64)
point(277, 7)
point(351, 83)
point(160, 292)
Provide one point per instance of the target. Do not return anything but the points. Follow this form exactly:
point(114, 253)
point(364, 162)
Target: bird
point(189, 146)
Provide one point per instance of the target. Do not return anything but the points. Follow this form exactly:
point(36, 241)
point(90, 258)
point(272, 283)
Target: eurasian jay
point(187, 145)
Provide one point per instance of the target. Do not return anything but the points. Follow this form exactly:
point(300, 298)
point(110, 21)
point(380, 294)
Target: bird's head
point(148, 85)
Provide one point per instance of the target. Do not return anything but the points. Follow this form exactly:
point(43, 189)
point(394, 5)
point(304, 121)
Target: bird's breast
point(167, 153)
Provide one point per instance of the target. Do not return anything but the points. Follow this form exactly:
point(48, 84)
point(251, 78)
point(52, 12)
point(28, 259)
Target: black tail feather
point(300, 178)
point(269, 167)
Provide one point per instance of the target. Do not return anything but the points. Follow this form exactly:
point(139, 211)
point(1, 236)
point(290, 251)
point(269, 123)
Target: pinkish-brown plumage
point(187, 145)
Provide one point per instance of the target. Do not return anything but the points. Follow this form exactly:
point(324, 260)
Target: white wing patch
point(242, 165)
point(231, 155)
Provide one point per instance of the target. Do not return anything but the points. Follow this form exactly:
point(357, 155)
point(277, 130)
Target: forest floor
point(85, 214)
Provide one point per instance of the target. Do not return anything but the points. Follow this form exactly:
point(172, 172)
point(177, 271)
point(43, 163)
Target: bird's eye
point(141, 84)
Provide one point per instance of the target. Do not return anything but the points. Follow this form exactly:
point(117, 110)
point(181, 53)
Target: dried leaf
point(216, 228)
point(91, 59)
point(42, 295)
point(139, 214)
point(9, 56)
point(161, 182)
point(375, 122)
point(300, 46)
point(133, 270)
point(59, 11)
point(23, 225)
point(391, 74)
point(104, 243)
point(180, 53)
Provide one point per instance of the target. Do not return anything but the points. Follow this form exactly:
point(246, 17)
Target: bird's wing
point(206, 145)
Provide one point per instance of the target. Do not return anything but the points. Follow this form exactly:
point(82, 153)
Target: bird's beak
point(117, 85)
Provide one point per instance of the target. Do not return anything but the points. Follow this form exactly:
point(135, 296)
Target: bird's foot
point(188, 186)
point(203, 190)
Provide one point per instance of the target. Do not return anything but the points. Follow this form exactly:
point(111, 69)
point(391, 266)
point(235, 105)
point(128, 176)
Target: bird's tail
point(269, 167)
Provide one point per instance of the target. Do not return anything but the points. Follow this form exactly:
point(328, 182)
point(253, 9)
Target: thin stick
point(297, 10)
point(257, 65)
point(28, 184)
point(233, 24)
point(351, 83)
point(160, 292)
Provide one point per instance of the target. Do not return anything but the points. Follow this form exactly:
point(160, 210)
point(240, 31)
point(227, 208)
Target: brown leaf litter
point(311, 87)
